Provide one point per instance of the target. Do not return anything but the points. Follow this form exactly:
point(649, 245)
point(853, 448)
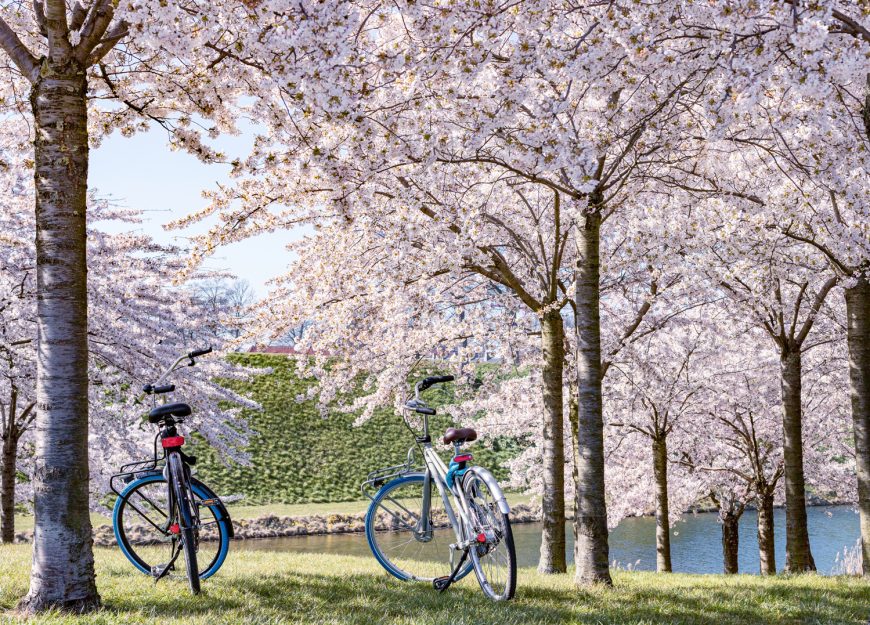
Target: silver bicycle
point(440, 535)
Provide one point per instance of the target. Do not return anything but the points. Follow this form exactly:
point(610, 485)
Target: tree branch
point(18, 52)
point(59, 47)
point(814, 309)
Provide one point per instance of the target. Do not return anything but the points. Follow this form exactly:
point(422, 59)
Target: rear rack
point(133, 471)
point(378, 478)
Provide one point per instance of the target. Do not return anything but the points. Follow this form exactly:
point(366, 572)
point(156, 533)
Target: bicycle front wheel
point(146, 537)
point(188, 520)
point(408, 543)
point(494, 558)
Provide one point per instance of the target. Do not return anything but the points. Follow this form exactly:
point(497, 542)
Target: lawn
point(271, 588)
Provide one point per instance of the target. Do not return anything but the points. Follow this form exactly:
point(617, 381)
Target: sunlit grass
point(265, 587)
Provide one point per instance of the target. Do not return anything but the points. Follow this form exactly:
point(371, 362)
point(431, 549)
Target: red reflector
point(462, 458)
point(481, 538)
point(173, 441)
point(174, 528)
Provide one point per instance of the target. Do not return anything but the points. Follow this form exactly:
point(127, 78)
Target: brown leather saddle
point(462, 435)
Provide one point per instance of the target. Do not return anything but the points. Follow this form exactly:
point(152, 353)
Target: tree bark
point(553, 501)
point(591, 554)
point(663, 524)
point(7, 487)
point(766, 545)
point(62, 575)
point(730, 542)
point(858, 337)
point(798, 557)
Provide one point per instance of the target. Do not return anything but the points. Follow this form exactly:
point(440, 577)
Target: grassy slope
point(261, 587)
point(299, 456)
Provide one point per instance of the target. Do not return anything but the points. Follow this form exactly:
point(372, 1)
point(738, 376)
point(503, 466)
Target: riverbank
point(279, 588)
point(261, 522)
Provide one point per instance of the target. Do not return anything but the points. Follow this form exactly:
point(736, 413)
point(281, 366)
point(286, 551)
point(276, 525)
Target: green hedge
point(300, 457)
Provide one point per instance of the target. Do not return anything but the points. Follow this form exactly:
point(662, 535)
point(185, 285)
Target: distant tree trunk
point(553, 500)
point(591, 554)
point(663, 524)
point(62, 575)
point(858, 333)
point(798, 556)
point(7, 486)
point(730, 541)
point(766, 545)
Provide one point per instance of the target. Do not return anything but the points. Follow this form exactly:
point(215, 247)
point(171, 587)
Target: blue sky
point(141, 172)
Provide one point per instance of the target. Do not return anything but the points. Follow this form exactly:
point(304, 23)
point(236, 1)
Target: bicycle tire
point(496, 559)
point(186, 519)
point(140, 552)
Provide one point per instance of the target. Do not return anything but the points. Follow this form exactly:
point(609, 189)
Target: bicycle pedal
point(160, 570)
point(440, 583)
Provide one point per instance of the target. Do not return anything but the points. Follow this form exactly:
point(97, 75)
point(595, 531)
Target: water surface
point(695, 542)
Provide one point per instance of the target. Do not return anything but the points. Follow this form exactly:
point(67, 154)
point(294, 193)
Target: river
point(695, 541)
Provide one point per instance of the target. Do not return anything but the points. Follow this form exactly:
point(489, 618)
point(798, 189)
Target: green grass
point(270, 588)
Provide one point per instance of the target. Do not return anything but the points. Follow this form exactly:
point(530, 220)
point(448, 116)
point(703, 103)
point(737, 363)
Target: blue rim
point(198, 490)
point(370, 530)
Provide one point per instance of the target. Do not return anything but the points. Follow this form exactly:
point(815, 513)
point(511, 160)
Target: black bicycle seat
point(168, 410)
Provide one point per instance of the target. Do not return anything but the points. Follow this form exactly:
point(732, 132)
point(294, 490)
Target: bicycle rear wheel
point(494, 558)
point(145, 537)
point(399, 540)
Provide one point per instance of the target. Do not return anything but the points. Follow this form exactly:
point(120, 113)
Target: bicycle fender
point(221, 509)
point(494, 488)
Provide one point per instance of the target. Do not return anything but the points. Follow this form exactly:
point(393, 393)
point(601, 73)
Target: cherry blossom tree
point(656, 386)
point(796, 89)
point(781, 287)
point(573, 99)
point(137, 326)
point(80, 71)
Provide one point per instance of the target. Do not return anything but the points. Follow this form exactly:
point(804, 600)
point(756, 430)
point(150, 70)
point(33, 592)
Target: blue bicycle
point(162, 511)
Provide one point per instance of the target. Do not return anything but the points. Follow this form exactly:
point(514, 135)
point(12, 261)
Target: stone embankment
point(272, 526)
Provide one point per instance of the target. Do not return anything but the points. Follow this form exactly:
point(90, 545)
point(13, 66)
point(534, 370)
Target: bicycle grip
point(426, 411)
point(166, 388)
point(199, 352)
point(435, 379)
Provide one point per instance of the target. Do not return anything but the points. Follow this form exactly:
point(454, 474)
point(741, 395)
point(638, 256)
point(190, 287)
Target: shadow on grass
point(365, 598)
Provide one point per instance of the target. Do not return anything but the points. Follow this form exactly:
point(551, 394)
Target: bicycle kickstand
point(160, 571)
point(443, 583)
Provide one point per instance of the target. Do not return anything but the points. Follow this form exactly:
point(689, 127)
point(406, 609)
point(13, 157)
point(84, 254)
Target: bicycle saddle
point(166, 410)
point(462, 434)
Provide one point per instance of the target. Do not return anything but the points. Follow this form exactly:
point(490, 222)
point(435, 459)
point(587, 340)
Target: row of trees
point(479, 174)
point(526, 160)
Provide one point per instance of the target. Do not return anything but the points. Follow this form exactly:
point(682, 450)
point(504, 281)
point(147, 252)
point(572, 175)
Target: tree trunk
point(7, 488)
point(663, 524)
point(591, 553)
point(858, 333)
point(766, 545)
point(62, 575)
point(730, 541)
point(798, 557)
point(553, 500)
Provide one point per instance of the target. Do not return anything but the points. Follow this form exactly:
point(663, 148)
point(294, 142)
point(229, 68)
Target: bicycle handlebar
point(155, 387)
